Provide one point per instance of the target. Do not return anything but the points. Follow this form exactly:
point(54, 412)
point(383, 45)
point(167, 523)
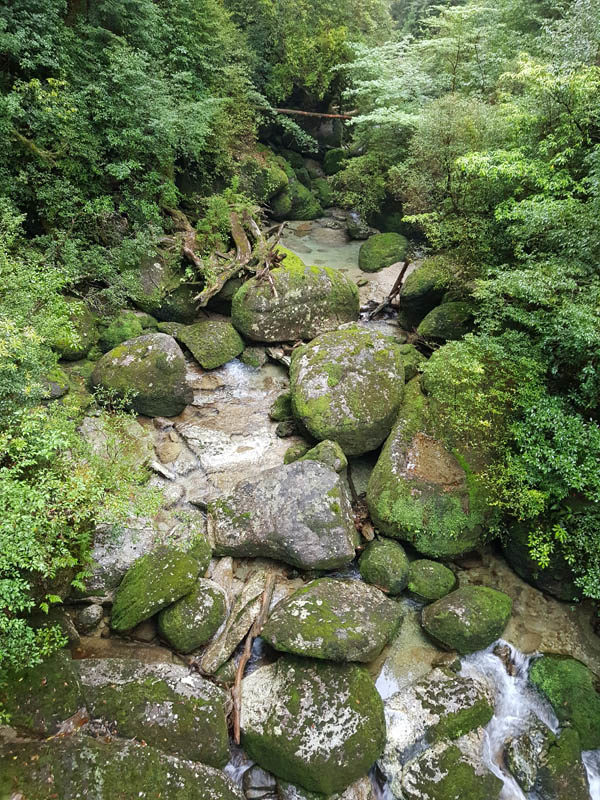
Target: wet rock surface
point(334, 620)
point(299, 514)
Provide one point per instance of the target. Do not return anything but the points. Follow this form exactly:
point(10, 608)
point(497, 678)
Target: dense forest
point(130, 130)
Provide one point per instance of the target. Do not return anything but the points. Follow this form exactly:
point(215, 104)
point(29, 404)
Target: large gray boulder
point(347, 386)
point(302, 303)
point(151, 371)
point(163, 705)
point(334, 620)
point(79, 766)
point(311, 723)
point(299, 514)
point(439, 707)
point(192, 621)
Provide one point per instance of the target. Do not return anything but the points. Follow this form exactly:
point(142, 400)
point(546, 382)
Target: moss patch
point(384, 563)
point(382, 250)
point(430, 580)
point(191, 621)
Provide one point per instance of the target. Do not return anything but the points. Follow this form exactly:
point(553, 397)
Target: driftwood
point(245, 657)
point(395, 292)
point(293, 112)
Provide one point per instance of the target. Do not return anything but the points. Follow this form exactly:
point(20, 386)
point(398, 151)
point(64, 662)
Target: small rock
point(145, 631)
point(88, 618)
point(430, 580)
point(384, 564)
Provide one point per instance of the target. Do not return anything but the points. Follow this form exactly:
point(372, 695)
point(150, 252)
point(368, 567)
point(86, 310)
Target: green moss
point(80, 766)
point(262, 175)
point(382, 250)
point(334, 160)
point(422, 291)
point(211, 342)
point(254, 357)
point(562, 775)
point(413, 360)
point(323, 191)
point(153, 582)
point(281, 408)
point(127, 325)
point(468, 619)
point(570, 688)
point(446, 322)
point(295, 452)
point(201, 551)
point(429, 580)
point(296, 201)
point(38, 700)
point(191, 622)
point(449, 776)
point(384, 564)
point(326, 452)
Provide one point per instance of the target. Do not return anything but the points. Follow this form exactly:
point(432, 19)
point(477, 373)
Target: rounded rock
point(430, 580)
point(384, 564)
point(382, 250)
point(192, 621)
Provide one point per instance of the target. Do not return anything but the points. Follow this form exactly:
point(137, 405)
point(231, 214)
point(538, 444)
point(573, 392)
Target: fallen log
point(293, 112)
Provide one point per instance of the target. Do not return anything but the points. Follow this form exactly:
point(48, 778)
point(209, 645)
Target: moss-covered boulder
point(450, 771)
point(382, 250)
point(524, 753)
point(557, 578)
point(282, 407)
point(212, 342)
point(39, 699)
point(328, 453)
point(314, 724)
point(153, 582)
point(357, 227)
point(468, 619)
point(295, 452)
point(299, 514)
point(561, 775)
point(192, 621)
point(126, 325)
point(306, 302)
point(254, 357)
point(413, 361)
point(439, 707)
point(161, 704)
point(296, 201)
point(419, 491)
point(384, 563)
point(56, 383)
point(334, 160)
point(323, 191)
point(262, 175)
point(334, 620)
point(430, 580)
point(151, 371)
point(422, 291)
point(347, 386)
point(77, 331)
point(165, 292)
point(83, 767)
point(446, 322)
point(570, 688)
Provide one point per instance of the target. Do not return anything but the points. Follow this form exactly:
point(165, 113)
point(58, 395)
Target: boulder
point(334, 620)
point(77, 331)
point(468, 619)
point(449, 771)
point(151, 371)
point(165, 293)
point(163, 705)
point(212, 342)
point(192, 621)
point(361, 789)
point(382, 250)
point(334, 160)
point(357, 226)
point(153, 582)
point(282, 408)
point(422, 291)
point(38, 700)
point(429, 580)
point(570, 688)
point(299, 514)
point(419, 492)
point(562, 775)
point(347, 386)
point(524, 753)
point(328, 453)
point(413, 361)
point(254, 357)
point(126, 325)
point(295, 452)
point(306, 302)
point(296, 201)
point(439, 707)
point(84, 767)
point(262, 175)
point(318, 725)
point(384, 563)
point(446, 322)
